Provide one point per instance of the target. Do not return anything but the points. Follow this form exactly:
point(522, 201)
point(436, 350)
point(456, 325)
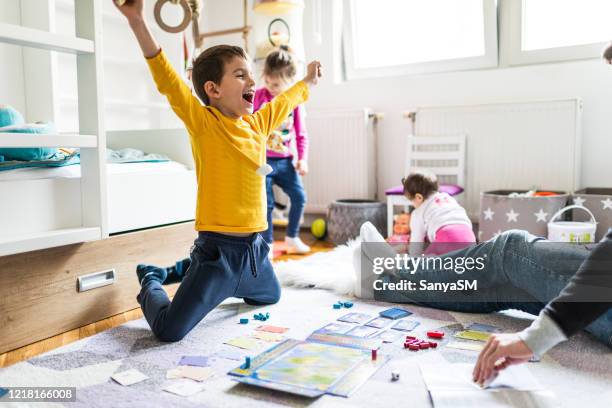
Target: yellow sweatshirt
point(227, 152)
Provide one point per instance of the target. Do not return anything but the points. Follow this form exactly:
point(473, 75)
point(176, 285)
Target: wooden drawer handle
point(96, 280)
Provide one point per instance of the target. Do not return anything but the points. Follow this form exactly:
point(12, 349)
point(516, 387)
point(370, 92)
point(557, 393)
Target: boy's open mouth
point(248, 96)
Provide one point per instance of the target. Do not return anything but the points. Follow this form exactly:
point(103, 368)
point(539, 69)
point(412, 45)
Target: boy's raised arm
point(168, 82)
point(274, 113)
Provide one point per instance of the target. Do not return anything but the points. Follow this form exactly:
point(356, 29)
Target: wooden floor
point(60, 340)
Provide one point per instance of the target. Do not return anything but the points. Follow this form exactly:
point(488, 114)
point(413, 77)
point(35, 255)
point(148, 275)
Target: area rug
point(578, 372)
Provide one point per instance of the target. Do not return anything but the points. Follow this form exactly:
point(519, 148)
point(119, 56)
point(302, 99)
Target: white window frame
point(515, 10)
point(488, 60)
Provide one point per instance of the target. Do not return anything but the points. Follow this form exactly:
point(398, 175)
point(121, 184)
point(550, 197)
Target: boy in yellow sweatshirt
point(229, 258)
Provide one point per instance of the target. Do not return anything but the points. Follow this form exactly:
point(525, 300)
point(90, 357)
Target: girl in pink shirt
point(279, 74)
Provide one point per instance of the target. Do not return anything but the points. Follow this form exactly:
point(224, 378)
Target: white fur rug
point(333, 270)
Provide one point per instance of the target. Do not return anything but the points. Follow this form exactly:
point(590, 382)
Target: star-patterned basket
point(499, 212)
point(599, 202)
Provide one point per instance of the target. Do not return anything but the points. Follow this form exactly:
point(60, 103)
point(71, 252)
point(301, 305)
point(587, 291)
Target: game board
point(334, 365)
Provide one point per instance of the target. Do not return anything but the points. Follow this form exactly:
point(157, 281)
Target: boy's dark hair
point(210, 66)
point(280, 63)
point(419, 183)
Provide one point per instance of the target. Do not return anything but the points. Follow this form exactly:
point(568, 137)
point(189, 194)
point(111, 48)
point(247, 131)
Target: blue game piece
point(256, 317)
point(337, 306)
point(247, 363)
point(348, 305)
point(267, 315)
point(244, 321)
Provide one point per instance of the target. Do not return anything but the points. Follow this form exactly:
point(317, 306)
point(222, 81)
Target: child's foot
point(176, 273)
point(295, 245)
point(146, 273)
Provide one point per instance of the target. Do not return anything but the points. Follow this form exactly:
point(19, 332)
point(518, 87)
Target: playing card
point(405, 325)
point(246, 343)
point(389, 336)
point(362, 331)
point(272, 329)
point(462, 345)
point(473, 335)
point(355, 318)
point(184, 388)
point(338, 328)
point(267, 336)
point(483, 328)
point(129, 377)
point(378, 322)
point(199, 361)
point(196, 373)
point(173, 373)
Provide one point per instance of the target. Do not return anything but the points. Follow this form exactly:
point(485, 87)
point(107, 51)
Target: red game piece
point(374, 355)
point(436, 334)
point(424, 345)
point(433, 344)
point(413, 347)
point(410, 337)
point(406, 345)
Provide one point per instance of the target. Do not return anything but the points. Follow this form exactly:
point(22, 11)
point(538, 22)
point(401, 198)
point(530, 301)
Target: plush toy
point(401, 228)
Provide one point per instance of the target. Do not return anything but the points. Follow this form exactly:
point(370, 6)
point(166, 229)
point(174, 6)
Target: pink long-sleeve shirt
point(294, 126)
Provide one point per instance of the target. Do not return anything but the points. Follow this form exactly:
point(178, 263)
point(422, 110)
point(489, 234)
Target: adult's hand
point(500, 351)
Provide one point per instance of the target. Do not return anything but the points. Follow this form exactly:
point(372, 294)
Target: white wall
point(12, 91)
point(590, 80)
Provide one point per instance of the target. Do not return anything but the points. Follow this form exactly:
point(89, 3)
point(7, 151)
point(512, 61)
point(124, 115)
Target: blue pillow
point(11, 117)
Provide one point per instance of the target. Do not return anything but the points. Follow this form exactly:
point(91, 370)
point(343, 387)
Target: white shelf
point(120, 103)
point(38, 140)
point(47, 239)
point(29, 37)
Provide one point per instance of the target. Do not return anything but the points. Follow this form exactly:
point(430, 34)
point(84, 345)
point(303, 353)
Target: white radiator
point(342, 157)
point(512, 145)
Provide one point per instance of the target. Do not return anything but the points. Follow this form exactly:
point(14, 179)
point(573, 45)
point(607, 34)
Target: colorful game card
point(335, 328)
point(272, 329)
point(395, 313)
point(355, 318)
point(473, 335)
point(196, 373)
point(389, 336)
point(199, 361)
point(246, 343)
point(362, 331)
point(267, 336)
point(378, 322)
point(405, 325)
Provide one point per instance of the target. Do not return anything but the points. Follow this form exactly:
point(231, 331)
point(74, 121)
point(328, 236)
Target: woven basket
point(345, 218)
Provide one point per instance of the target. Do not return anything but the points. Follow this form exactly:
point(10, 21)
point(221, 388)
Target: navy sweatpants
point(221, 266)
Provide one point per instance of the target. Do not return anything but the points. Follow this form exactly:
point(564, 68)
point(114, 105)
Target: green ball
point(318, 228)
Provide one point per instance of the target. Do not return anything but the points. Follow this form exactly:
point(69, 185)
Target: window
point(558, 30)
point(395, 37)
